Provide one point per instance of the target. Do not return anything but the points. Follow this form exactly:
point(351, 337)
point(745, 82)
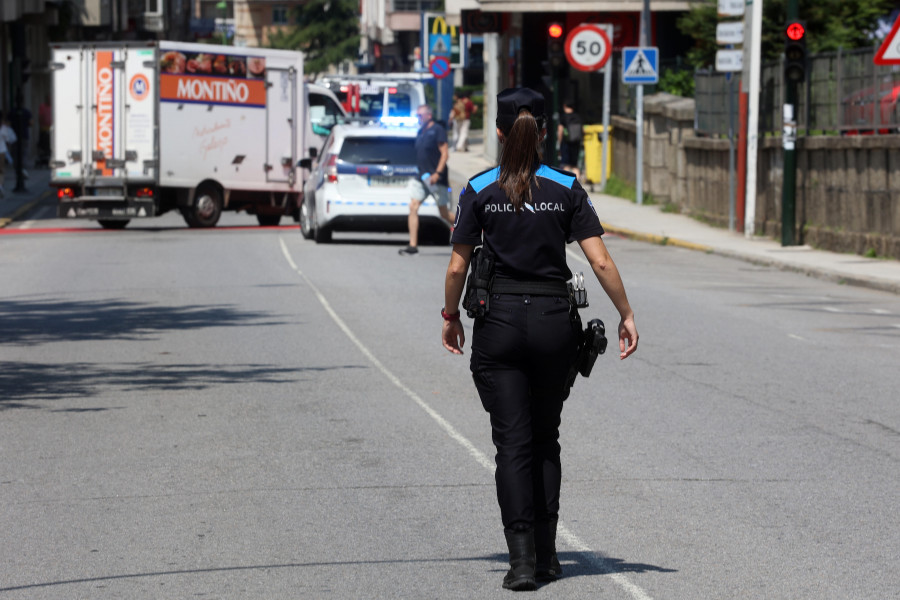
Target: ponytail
point(520, 156)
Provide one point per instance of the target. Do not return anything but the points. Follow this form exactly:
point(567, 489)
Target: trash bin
point(593, 149)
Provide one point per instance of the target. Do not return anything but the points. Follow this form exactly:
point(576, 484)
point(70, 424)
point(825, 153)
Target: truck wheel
point(268, 220)
point(107, 224)
point(206, 209)
point(306, 226)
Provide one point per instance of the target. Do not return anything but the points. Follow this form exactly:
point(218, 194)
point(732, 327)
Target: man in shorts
point(432, 152)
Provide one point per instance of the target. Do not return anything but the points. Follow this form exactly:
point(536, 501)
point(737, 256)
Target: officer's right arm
point(452, 335)
point(608, 275)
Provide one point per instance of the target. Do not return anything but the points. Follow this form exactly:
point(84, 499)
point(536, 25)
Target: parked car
point(359, 183)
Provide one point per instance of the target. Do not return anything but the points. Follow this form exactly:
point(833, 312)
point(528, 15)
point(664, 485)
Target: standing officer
point(525, 344)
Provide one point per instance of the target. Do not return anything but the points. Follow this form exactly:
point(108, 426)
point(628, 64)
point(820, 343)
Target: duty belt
point(536, 288)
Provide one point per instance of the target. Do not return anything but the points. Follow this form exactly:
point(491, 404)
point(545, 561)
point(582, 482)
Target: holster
point(591, 345)
point(476, 299)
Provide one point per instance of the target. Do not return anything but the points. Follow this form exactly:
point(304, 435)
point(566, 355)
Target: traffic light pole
point(553, 120)
point(789, 141)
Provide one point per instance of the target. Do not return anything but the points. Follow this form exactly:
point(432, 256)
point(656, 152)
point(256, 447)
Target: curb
point(823, 274)
point(659, 240)
point(4, 221)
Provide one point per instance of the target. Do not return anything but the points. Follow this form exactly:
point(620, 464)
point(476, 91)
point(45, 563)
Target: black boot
point(547, 567)
point(521, 561)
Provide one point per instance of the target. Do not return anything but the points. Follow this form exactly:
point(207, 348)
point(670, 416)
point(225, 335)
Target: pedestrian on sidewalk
point(7, 138)
point(456, 117)
point(432, 152)
point(527, 340)
point(45, 122)
point(569, 137)
point(467, 109)
point(20, 121)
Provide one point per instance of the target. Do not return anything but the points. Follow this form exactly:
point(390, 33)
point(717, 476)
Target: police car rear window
point(379, 151)
point(372, 105)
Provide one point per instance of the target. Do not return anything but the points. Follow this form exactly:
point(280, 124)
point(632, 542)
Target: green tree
point(326, 31)
point(829, 24)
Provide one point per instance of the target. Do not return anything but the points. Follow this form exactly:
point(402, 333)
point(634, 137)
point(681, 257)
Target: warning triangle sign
point(889, 52)
point(640, 66)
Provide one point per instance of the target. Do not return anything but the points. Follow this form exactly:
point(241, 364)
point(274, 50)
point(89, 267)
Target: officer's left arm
point(442, 163)
point(452, 334)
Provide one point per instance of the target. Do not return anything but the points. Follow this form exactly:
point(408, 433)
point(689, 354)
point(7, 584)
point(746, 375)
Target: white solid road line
point(570, 538)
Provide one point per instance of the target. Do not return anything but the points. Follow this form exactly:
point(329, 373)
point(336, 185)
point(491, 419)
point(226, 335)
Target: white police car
point(359, 183)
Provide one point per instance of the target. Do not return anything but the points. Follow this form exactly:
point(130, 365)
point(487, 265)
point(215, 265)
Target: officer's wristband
point(449, 317)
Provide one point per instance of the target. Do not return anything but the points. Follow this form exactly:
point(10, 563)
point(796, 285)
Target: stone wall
point(848, 188)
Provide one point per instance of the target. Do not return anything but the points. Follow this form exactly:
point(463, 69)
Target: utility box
point(593, 153)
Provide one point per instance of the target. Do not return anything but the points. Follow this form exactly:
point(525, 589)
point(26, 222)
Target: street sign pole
point(588, 48)
point(607, 92)
point(639, 169)
point(732, 188)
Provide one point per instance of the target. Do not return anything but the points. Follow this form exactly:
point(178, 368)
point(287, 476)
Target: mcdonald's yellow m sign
point(439, 25)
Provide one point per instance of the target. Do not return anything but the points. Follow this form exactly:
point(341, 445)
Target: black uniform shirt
point(530, 244)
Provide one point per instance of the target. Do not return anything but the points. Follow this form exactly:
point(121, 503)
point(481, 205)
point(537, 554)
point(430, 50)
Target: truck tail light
point(331, 169)
point(65, 192)
point(144, 192)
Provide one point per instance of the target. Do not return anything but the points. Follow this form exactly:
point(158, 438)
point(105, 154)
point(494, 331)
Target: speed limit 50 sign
point(588, 48)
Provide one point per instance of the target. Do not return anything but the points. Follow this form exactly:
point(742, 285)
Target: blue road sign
point(640, 65)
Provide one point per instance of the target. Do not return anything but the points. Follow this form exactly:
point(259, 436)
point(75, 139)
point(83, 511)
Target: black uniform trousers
point(521, 354)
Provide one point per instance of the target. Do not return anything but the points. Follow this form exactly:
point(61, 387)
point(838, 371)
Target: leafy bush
point(677, 82)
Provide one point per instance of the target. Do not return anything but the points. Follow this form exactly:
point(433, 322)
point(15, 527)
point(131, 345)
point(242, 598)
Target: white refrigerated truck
point(143, 128)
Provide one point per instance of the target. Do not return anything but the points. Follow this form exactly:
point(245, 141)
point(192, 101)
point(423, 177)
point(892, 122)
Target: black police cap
point(511, 100)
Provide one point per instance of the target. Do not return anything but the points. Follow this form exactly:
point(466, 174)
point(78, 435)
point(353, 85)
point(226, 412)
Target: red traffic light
point(795, 31)
point(555, 30)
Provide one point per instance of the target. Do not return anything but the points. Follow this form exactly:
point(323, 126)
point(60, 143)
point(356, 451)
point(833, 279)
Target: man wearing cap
point(523, 214)
point(432, 152)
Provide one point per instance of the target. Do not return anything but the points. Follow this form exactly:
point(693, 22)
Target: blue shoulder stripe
point(485, 179)
point(554, 175)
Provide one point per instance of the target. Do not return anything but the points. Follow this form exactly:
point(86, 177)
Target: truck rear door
point(281, 124)
point(104, 115)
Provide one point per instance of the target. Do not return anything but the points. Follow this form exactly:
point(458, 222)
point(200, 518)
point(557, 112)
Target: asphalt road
point(240, 413)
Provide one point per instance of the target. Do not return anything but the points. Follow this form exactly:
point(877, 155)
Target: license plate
point(383, 180)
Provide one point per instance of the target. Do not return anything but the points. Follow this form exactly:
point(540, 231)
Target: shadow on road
point(32, 322)
point(28, 323)
point(590, 564)
point(594, 564)
point(26, 385)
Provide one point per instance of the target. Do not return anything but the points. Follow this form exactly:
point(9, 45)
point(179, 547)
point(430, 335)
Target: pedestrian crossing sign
point(640, 65)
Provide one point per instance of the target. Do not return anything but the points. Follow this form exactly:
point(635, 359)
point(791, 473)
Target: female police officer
point(526, 342)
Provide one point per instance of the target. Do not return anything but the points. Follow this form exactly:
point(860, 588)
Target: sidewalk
point(14, 205)
point(648, 223)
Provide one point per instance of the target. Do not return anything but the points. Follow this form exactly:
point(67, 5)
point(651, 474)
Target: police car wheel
point(107, 224)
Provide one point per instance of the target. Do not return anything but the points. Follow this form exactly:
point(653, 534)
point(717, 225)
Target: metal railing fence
point(844, 92)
